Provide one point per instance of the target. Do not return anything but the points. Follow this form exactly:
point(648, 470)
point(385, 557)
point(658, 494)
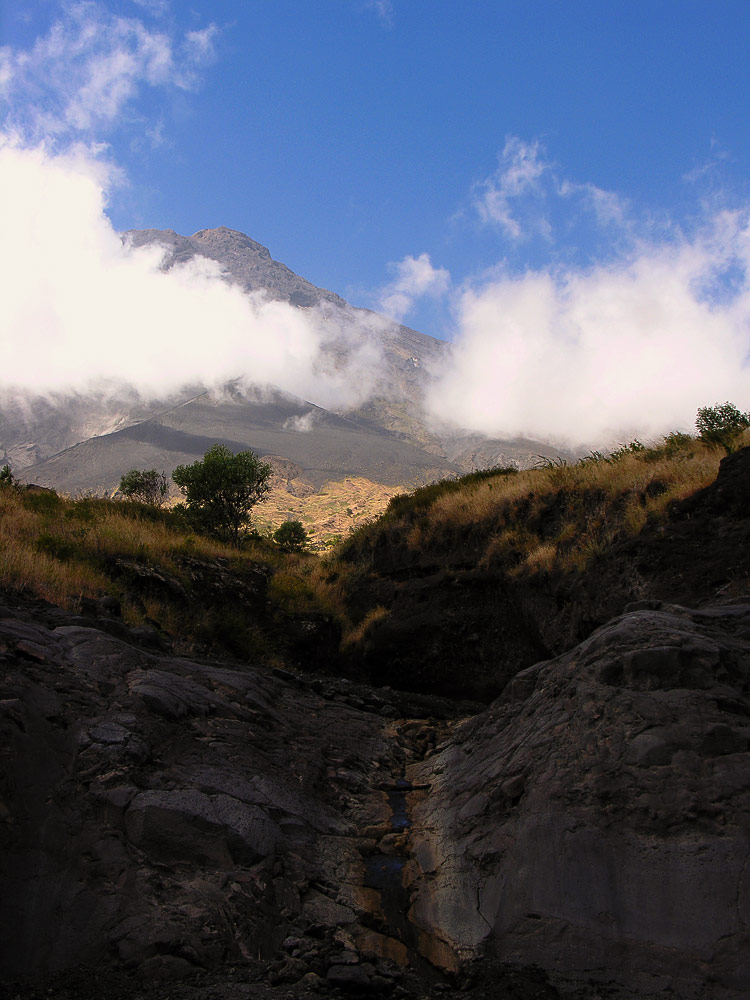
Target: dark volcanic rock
point(594, 818)
point(161, 816)
point(155, 806)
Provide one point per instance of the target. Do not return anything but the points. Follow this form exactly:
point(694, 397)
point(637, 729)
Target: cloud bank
point(84, 312)
point(586, 356)
point(79, 307)
point(581, 353)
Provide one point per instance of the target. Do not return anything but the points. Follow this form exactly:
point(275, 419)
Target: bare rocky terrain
point(172, 826)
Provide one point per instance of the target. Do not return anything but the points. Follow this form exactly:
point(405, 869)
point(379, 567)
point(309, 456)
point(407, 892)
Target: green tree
point(148, 486)
point(291, 535)
point(221, 489)
point(721, 424)
point(6, 477)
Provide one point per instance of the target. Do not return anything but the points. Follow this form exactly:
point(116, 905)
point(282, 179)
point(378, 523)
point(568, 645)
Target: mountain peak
point(243, 260)
point(230, 239)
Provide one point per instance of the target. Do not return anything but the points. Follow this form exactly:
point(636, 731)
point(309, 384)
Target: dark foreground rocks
point(203, 830)
point(161, 817)
point(596, 818)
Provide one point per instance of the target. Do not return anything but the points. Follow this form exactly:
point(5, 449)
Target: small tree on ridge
point(291, 536)
point(221, 489)
point(721, 424)
point(148, 486)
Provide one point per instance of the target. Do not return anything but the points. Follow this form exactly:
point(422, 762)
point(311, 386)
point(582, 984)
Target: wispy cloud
point(383, 8)
point(521, 165)
point(157, 8)
point(81, 78)
point(609, 208)
point(415, 278)
point(525, 195)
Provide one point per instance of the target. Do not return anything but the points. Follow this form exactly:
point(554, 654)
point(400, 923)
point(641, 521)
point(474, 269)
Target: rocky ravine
point(164, 816)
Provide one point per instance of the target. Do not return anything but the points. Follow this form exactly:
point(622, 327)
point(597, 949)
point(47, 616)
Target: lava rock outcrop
point(594, 819)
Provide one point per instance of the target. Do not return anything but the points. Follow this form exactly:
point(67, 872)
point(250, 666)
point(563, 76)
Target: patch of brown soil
point(328, 514)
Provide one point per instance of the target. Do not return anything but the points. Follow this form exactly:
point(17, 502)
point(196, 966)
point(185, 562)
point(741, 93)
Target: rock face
point(162, 815)
point(157, 812)
point(594, 818)
point(455, 626)
point(249, 263)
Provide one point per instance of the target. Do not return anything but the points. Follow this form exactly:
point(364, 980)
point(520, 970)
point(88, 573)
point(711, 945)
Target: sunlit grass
point(560, 516)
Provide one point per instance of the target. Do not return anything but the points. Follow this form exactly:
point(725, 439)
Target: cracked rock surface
point(179, 828)
point(163, 818)
point(594, 819)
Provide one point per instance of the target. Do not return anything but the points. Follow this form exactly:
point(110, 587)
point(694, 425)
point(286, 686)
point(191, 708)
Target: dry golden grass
point(328, 515)
point(557, 517)
point(61, 550)
point(355, 633)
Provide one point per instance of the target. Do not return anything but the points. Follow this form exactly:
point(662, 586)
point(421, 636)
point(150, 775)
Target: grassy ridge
point(205, 595)
point(457, 588)
point(558, 516)
point(554, 519)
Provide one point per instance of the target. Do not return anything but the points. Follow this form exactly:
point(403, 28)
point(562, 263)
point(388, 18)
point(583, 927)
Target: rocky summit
point(179, 826)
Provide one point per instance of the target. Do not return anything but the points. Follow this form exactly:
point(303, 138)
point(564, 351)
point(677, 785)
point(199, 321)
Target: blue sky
point(405, 153)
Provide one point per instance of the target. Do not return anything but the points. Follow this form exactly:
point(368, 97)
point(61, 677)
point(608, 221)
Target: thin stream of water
point(384, 872)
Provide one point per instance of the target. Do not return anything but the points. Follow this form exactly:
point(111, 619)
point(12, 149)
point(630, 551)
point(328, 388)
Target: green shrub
point(59, 548)
point(147, 486)
point(6, 477)
point(221, 489)
point(45, 502)
point(721, 424)
point(291, 536)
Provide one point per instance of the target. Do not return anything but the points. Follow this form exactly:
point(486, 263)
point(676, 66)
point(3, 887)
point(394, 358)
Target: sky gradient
point(430, 158)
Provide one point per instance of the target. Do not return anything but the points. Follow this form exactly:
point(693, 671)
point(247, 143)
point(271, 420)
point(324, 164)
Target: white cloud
point(591, 356)
point(157, 8)
point(524, 197)
point(79, 308)
point(199, 45)
point(82, 76)
point(608, 207)
point(520, 168)
point(383, 8)
point(302, 424)
point(415, 278)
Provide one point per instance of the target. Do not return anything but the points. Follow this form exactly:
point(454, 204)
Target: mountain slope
point(324, 445)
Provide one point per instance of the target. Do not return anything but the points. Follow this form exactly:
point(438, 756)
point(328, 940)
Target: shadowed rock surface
point(594, 818)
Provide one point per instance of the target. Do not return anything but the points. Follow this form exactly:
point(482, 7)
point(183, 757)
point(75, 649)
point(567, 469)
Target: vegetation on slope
point(204, 595)
point(556, 516)
point(454, 588)
point(460, 585)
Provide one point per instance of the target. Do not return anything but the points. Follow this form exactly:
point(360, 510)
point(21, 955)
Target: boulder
point(594, 819)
